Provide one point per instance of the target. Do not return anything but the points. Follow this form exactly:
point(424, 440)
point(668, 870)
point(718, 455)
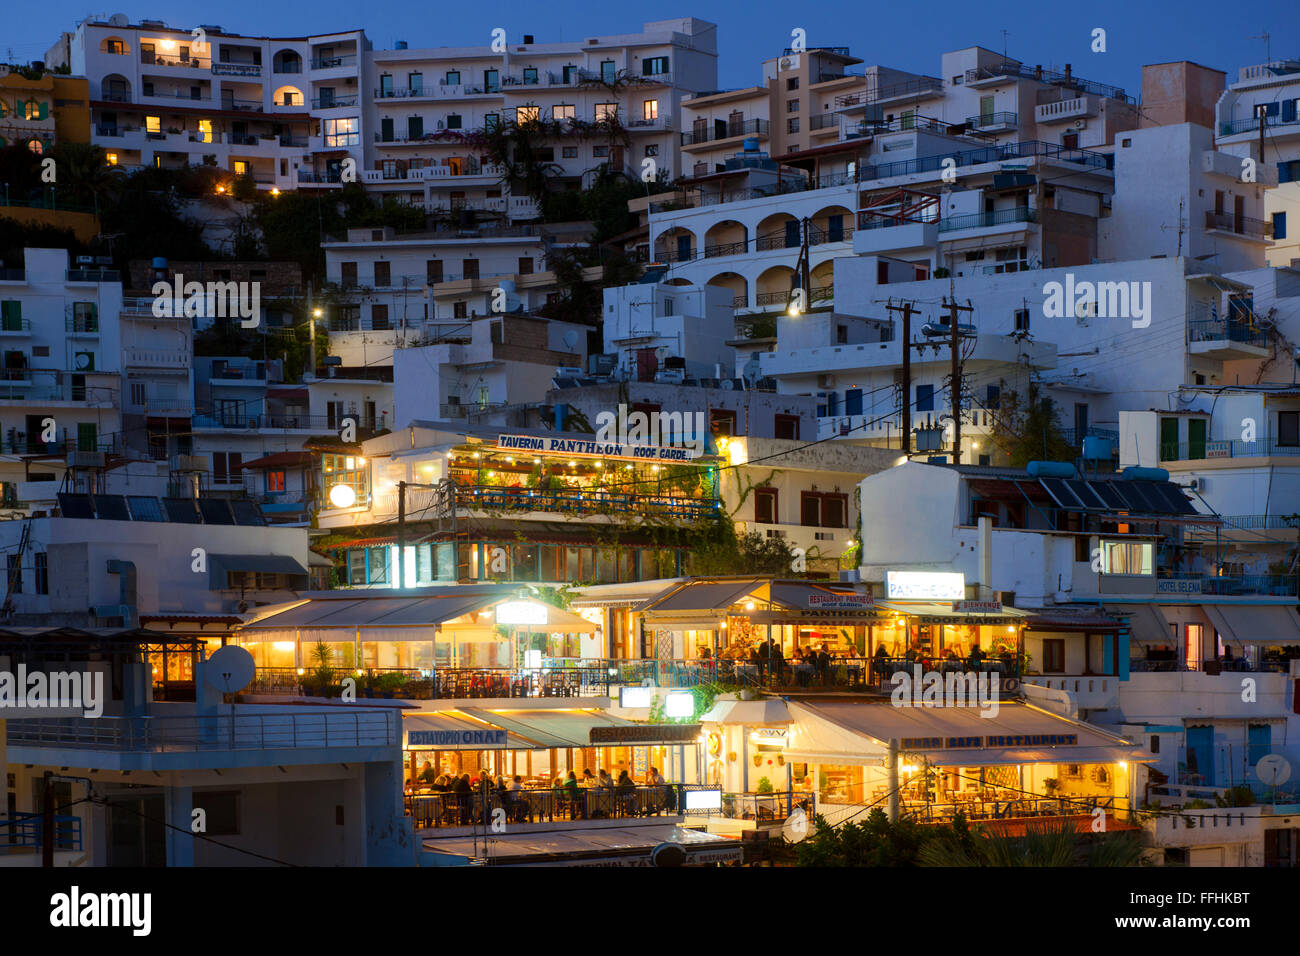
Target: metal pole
point(893, 779)
point(401, 531)
point(47, 821)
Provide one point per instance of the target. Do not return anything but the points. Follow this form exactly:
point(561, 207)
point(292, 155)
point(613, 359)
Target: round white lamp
point(343, 496)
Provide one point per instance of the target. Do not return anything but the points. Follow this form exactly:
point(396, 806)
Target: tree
point(1027, 428)
point(84, 177)
point(874, 842)
point(1054, 841)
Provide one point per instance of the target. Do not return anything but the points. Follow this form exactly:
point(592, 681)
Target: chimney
point(528, 38)
point(1067, 72)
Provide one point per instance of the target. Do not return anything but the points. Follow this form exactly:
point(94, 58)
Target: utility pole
point(1262, 112)
point(401, 533)
point(908, 310)
point(47, 821)
point(955, 347)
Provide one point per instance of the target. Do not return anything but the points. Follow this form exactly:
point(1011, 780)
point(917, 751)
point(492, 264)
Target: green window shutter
point(87, 436)
point(44, 111)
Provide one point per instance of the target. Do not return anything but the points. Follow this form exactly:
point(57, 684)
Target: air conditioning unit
point(825, 381)
point(1195, 484)
point(1081, 124)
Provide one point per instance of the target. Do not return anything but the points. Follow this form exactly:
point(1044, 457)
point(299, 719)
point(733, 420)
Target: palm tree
point(1050, 842)
point(83, 173)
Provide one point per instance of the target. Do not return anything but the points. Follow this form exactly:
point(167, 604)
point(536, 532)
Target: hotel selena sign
point(584, 448)
point(456, 739)
point(1001, 740)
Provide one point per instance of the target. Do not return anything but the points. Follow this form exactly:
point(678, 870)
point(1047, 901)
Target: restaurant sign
point(977, 607)
point(926, 585)
point(837, 601)
point(456, 739)
point(1001, 740)
point(642, 734)
point(586, 448)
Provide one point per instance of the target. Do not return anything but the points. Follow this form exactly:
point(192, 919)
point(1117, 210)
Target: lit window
point(153, 124)
point(606, 111)
point(343, 132)
point(650, 110)
point(205, 131)
point(241, 167)
point(526, 114)
point(562, 112)
point(1126, 557)
point(112, 158)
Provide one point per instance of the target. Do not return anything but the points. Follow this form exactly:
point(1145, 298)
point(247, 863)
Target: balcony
point(545, 804)
point(93, 275)
point(187, 63)
point(327, 178)
point(984, 220)
point(994, 122)
point(1222, 223)
point(81, 326)
point(1064, 111)
point(237, 69)
point(997, 74)
point(716, 134)
point(333, 62)
point(333, 102)
point(156, 358)
point(15, 327)
point(577, 503)
point(1226, 339)
point(895, 94)
point(1251, 123)
point(13, 275)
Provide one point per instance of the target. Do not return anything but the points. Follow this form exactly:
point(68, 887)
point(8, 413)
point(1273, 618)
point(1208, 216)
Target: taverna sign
point(585, 448)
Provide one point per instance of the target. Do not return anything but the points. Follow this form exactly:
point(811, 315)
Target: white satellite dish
point(571, 339)
point(1273, 769)
point(795, 828)
point(230, 669)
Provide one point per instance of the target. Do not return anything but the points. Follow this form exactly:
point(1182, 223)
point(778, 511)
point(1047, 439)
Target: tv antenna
point(1268, 48)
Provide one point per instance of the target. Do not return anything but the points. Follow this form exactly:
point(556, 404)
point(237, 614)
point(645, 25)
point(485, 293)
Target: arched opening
point(778, 231)
point(831, 224)
point(677, 282)
point(726, 238)
point(822, 281)
point(675, 245)
point(288, 96)
point(115, 88)
point(774, 287)
point(736, 284)
point(286, 61)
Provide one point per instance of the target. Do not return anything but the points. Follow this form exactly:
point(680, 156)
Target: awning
point(937, 613)
point(606, 846)
point(748, 712)
point(219, 565)
point(449, 730)
point(1145, 622)
point(412, 611)
point(281, 459)
point(549, 728)
point(949, 736)
point(1061, 619)
point(1255, 623)
point(709, 598)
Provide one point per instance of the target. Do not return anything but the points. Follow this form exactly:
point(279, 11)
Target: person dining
point(463, 792)
point(626, 790)
point(577, 801)
point(588, 779)
point(426, 773)
point(976, 658)
point(604, 781)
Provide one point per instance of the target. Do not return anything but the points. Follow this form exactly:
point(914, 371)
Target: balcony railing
point(1241, 225)
point(1225, 330)
point(1251, 123)
point(755, 127)
point(996, 217)
point(94, 275)
point(985, 120)
point(544, 804)
point(477, 497)
point(331, 62)
point(331, 102)
point(373, 727)
point(921, 86)
point(26, 830)
point(1009, 68)
point(238, 69)
point(311, 176)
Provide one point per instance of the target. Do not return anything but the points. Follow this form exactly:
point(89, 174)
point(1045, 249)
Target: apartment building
point(283, 111)
point(1267, 94)
point(601, 102)
point(39, 111)
point(661, 332)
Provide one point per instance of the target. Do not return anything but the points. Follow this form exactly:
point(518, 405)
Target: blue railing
point(1251, 123)
point(988, 154)
point(1219, 330)
point(27, 830)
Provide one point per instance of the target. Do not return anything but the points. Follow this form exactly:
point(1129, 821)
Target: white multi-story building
point(1272, 89)
point(647, 324)
point(614, 102)
point(283, 111)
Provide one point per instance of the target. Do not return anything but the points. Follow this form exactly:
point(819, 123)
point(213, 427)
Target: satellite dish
point(726, 385)
point(668, 854)
point(571, 339)
point(795, 829)
point(1273, 769)
point(230, 669)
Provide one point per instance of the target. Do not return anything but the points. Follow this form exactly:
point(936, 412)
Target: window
point(1288, 172)
point(453, 121)
point(350, 470)
point(600, 152)
point(820, 510)
point(1288, 429)
point(116, 47)
point(492, 81)
point(569, 152)
point(414, 127)
point(527, 114)
point(452, 78)
point(139, 394)
point(222, 809)
point(765, 505)
point(383, 275)
point(1053, 655)
point(433, 271)
point(606, 111)
point(1126, 557)
point(924, 398)
point(654, 66)
point(792, 125)
point(992, 396)
point(650, 110)
point(460, 310)
point(225, 467)
point(11, 315)
point(792, 106)
point(87, 436)
point(652, 149)
point(1279, 225)
point(470, 269)
point(608, 71)
point(525, 265)
point(786, 426)
point(274, 482)
point(348, 275)
point(343, 132)
point(415, 83)
point(722, 421)
point(153, 124)
point(379, 317)
point(792, 83)
point(1022, 320)
point(386, 85)
point(41, 562)
point(563, 111)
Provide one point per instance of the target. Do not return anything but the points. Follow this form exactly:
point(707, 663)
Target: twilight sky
point(907, 35)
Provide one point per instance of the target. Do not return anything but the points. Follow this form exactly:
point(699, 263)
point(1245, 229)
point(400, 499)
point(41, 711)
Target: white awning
point(604, 846)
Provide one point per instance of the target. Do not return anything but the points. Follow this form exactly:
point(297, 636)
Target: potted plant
point(764, 785)
point(321, 676)
point(390, 683)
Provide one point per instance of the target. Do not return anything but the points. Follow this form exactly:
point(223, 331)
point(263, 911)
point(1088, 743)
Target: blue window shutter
point(1279, 225)
point(1288, 111)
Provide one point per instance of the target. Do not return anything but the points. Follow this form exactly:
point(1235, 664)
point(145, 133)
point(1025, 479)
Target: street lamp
point(343, 496)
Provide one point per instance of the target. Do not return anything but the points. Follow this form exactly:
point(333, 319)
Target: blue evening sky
point(906, 35)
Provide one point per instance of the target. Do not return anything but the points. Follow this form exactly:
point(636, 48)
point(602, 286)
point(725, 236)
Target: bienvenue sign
point(457, 739)
point(583, 448)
